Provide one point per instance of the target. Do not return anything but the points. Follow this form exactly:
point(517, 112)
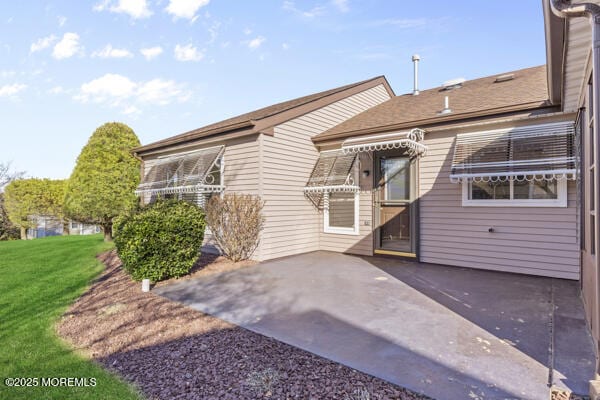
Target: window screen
point(341, 210)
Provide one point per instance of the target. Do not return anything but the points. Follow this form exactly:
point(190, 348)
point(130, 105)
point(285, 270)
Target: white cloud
point(42, 43)
point(285, 46)
point(132, 110)
point(185, 8)
point(316, 11)
point(62, 20)
point(151, 52)
point(11, 90)
point(114, 90)
point(67, 47)
point(188, 53)
point(213, 31)
point(56, 90)
point(161, 92)
point(7, 73)
point(110, 52)
point(341, 5)
point(256, 42)
point(136, 9)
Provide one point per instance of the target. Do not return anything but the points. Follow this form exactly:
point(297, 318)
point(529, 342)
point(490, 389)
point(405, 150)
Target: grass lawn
point(38, 281)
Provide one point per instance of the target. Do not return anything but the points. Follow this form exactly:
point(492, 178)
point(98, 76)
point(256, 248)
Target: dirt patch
point(174, 352)
point(209, 264)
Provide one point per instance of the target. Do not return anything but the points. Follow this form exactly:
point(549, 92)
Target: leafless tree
point(7, 175)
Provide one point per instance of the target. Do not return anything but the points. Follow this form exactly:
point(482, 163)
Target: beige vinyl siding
point(293, 225)
point(529, 240)
point(241, 171)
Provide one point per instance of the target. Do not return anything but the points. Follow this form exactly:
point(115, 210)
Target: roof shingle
point(528, 89)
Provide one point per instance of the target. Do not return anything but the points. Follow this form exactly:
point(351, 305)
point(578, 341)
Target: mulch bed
point(170, 351)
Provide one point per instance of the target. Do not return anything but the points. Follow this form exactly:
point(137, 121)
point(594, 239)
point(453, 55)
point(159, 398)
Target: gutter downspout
point(564, 9)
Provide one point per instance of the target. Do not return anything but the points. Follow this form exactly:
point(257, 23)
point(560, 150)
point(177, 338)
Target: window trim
point(338, 230)
point(561, 201)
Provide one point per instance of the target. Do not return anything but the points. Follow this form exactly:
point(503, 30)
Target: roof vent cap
point(504, 78)
point(453, 83)
point(446, 109)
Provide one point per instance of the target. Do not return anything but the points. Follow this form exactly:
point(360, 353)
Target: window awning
point(538, 152)
point(334, 171)
point(408, 140)
point(183, 173)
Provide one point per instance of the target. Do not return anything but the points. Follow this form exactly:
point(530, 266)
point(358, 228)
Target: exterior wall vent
point(504, 78)
point(453, 84)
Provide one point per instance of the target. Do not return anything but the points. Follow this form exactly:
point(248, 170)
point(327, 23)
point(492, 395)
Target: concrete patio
point(450, 333)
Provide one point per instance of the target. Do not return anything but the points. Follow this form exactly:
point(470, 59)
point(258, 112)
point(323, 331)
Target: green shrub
point(160, 241)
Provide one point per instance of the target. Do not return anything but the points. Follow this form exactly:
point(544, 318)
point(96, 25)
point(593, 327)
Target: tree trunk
point(23, 233)
point(107, 229)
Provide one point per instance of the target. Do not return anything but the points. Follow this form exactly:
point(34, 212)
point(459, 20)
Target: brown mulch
point(170, 351)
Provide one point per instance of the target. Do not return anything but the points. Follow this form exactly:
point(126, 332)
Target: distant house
point(49, 225)
point(45, 225)
point(496, 173)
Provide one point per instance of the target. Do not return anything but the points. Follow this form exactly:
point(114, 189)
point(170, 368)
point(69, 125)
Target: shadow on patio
point(447, 332)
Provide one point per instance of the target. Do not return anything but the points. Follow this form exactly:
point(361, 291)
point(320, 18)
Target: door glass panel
point(395, 174)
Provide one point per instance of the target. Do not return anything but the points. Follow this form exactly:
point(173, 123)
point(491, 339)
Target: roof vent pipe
point(446, 109)
point(416, 58)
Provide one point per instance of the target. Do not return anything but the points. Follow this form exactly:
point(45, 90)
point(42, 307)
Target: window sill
point(341, 231)
point(515, 203)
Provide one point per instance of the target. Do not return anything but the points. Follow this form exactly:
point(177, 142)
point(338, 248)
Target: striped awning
point(334, 171)
point(183, 173)
point(398, 140)
point(537, 152)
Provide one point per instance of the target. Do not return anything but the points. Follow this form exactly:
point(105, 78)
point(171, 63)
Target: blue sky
point(167, 66)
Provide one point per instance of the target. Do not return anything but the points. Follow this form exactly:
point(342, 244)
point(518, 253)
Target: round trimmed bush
point(160, 241)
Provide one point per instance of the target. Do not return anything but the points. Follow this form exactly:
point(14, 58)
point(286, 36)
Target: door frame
point(413, 204)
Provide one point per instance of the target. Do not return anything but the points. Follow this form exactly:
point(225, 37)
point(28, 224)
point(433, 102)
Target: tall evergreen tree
point(103, 181)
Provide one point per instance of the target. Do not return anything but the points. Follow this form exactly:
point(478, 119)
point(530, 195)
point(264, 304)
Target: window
point(395, 172)
point(516, 192)
point(341, 212)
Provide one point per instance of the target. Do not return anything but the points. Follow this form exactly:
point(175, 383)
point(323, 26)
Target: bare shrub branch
point(236, 221)
point(7, 176)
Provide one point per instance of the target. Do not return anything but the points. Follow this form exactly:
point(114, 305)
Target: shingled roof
point(478, 97)
point(260, 119)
